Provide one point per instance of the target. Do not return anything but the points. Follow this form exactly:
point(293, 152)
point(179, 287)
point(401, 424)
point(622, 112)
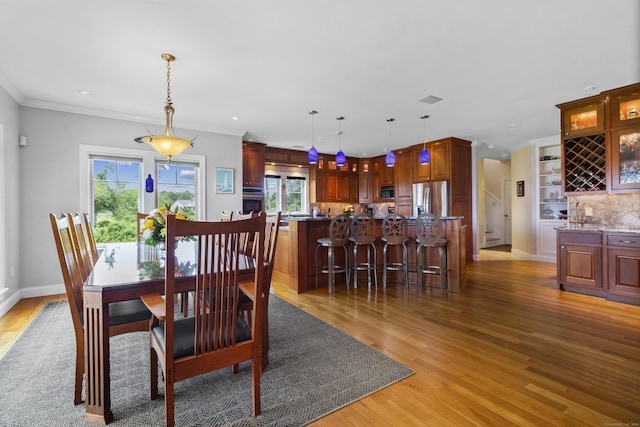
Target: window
point(286, 189)
point(115, 185)
point(177, 186)
point(113, 191)
point(272, 194)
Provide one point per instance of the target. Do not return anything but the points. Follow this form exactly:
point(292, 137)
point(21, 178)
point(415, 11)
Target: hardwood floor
point(510, 349)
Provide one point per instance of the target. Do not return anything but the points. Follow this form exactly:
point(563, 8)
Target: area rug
point(314, 369)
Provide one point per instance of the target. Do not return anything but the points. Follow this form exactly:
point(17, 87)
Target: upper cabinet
point(438, 169)
point(625, 159)
point(600, 145)
point(584, 117)
point(625, 106)
point(253, 157)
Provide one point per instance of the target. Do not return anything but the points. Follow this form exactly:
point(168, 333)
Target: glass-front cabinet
point(625, 107)
point(583, 119)
point(625, 159)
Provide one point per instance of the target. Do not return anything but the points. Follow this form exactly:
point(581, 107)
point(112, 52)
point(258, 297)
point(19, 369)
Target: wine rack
point(585, 164)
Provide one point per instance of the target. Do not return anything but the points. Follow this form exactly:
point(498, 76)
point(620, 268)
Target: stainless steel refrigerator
point(431, 197)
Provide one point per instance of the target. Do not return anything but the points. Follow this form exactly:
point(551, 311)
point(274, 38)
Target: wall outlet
point(588, 211)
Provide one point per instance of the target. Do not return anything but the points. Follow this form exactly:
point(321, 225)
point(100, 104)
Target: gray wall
point(49, 175)
point(11, 217)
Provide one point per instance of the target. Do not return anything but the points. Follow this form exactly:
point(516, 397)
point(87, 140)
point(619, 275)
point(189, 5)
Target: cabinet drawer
point(624, 240)
point(580, 237)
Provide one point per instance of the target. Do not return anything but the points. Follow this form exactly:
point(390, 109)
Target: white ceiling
point(496, 64)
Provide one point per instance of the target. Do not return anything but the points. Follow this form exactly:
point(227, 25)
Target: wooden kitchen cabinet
point(625, 159)
point(404, 183)
point(600, 145)
point(253, 155)
point(364, 182)
point(580, 262)
point(623, 267)
point(624, 106)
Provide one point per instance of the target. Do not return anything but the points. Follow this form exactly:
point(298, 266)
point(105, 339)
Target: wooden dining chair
point(216, 335)
point(246, 240)
point(91, 238)
point(125, 316)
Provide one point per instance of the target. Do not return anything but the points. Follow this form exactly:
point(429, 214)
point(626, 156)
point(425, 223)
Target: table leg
point(96, 360)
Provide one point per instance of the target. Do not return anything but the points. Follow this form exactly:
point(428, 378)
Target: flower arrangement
point(347, 210)
point(154, 229)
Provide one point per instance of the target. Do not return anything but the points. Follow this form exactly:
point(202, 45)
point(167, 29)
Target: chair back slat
point(80, 244)
point(91, 238)
point(141, 218)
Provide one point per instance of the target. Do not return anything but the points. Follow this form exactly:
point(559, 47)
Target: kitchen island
point(295, 266)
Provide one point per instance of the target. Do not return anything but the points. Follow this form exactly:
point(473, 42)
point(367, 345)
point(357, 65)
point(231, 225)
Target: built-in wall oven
point(252, 200)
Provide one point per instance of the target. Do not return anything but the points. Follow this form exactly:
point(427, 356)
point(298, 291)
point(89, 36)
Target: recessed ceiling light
point(430, 99)
point(589, 88)
point(491, 146)
point(84, 92)
point(513, 125)
point(299, 146)
point(235, 118)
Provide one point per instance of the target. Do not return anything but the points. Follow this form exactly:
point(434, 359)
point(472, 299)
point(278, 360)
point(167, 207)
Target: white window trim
point(149, 160)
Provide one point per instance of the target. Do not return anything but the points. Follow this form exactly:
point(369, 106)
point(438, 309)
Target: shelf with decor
point(552, 203)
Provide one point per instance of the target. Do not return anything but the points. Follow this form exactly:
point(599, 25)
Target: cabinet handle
point(562, 247)
point(628, 241)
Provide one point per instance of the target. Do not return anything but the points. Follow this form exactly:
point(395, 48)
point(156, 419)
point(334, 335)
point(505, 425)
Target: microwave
point(387, 192)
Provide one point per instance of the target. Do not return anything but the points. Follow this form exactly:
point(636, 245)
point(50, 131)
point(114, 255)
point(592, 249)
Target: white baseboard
point(546, 258)
point(38, 291)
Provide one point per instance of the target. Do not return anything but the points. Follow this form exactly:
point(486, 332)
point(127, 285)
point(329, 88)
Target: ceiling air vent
point(430, 99)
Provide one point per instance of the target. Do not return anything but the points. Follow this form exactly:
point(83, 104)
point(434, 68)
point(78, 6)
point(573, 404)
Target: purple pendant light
point(312, 156)
point(390, 159)
point(340, 157)
point(425, 157)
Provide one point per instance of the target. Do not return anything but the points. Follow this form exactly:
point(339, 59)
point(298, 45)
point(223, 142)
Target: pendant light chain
point(169, 82)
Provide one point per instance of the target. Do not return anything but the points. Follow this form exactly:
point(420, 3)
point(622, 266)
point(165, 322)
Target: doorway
point(506, 209)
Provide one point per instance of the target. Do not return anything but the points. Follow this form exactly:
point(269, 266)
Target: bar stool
point(429, 235)
point(363, 228)
point(338, 238)
point(394, 233)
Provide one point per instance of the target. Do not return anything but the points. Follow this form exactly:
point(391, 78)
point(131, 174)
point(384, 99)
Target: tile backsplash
point(379, 209)
point(619, 210)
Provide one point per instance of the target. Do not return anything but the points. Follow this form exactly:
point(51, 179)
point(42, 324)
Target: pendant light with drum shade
point(340, 157)
point(312, 156)
point(390, 158)
point(425, 156)
point(167, 144)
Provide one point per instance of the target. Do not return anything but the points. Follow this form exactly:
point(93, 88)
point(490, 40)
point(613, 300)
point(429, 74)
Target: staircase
point(491, 238)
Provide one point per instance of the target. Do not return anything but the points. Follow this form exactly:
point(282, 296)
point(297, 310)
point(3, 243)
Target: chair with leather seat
point(216, 335)
point(363, 227)
point(394, 233)
point(125, 316)
point(338, 238)
point(429, 235)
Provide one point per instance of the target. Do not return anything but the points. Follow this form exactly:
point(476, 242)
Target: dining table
point(123, 272)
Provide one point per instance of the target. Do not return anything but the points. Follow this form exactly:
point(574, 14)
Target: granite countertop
point(602, 228)
point(326, 218)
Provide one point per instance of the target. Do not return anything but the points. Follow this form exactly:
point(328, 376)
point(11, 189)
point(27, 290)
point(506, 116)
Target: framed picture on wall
point(224, 181)
point(520, 188)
